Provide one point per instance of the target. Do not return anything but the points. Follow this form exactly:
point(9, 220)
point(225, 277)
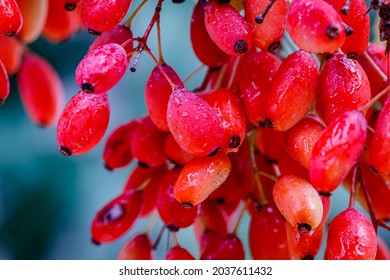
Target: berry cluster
point(293, 106)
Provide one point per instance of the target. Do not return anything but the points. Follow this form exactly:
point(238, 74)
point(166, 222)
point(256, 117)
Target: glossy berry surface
point(293, 91)
point(227, 28)
point(315, 26)
point(102, 16)
point(329, 164)
point(11, 16)
point(101, 68)
point(199, 177)
point(298, 202)
point(83, 123)
point(351, 236)
point(193, 123)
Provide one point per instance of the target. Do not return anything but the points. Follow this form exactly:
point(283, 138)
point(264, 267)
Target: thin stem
point(269, 176)
point(352, 194)
point(375, 99)
point(150, 225)
point(134, 14)
point(257, 181)
point(155, 17)
point(155, 245)
point(239, 219)
point(374, 218)
point(160, 53)
point(375, 66)
point(175, 239)
point(193, 74)
point(260, 18)
point(171, 83)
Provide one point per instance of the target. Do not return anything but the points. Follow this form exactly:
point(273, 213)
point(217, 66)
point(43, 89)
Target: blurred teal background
point(47, 201)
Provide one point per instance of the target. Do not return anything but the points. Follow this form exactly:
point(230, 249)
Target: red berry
point(329, 163)
point(157, 93)
point(228, 248)
point(41, 90)
point(227, 28)
point(380, 146)
point(298, 202)
point(267, 235)
point(351, 236)
point(11, 18)
point(344, 87)
point(147, 143)
point(257, 73)
point(117, 151)
point(60, 25)
point(171, 212)
point(101, 68)
point(301, 138)
point(178, 253)
point(231, 114)
point(116, 217)
point(200, 177)
point(11, 53)
point(315, 26)
point(293, 91)
point(193, 123)
point(83, 123)
point(137, 248)
point(268, 29)
point(358, 20)
point(101, 16)
point(204, 47)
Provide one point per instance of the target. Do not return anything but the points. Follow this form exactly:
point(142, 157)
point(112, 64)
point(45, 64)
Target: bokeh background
point(47, 201)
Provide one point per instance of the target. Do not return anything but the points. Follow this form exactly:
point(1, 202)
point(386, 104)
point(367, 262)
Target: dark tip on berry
point(223, 1)
point(186, 204)
point(258, 205)
point(345, 9)
point(177, 1)
point(1, 101)
point(332, 32)
point(65, 151)
point(173, 228)
point(133, 69)
point(353, 55)
point(373, 169)
point(70, 7)
point(11, 34)
point(213, 153)
point(241, 46)
point(220, 200)
point(348, 30)
point(143, 165)
point(326, 194)
point(304, 227)
point(234, 142)
point(274, 46)
point(108, 168)
point(259, 19)
point(97, 243)
point(93, 32)
point(88, 88)
point(216, 68)
point(307, 257)
point(266, 123)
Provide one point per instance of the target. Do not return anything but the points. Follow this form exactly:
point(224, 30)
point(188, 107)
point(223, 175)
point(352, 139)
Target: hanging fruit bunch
point(294, 105)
